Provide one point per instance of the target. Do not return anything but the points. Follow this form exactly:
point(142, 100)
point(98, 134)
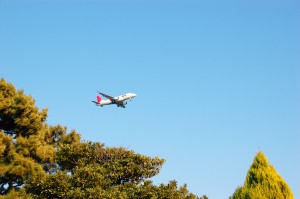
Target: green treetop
point(23, 150)
point(263, 182)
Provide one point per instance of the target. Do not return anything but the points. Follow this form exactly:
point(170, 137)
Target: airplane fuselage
point(119, 100)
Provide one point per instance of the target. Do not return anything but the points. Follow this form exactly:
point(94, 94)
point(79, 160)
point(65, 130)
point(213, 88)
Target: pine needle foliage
point(23, 150)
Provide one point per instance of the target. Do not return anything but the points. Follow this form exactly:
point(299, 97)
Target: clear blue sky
point(215, 81)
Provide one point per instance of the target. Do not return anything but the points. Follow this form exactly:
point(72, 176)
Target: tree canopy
point(263, 182)
point(42, 161)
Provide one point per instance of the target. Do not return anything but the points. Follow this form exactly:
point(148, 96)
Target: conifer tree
point(23, 150)
point(263, 182)
point(41, 161)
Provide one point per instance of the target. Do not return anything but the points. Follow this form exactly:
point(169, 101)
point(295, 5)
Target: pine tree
point(91, 170)
point(23, 150)
point(41, 161)
point(263, 182)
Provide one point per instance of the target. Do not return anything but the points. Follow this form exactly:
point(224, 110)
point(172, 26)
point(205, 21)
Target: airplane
point(119, 101)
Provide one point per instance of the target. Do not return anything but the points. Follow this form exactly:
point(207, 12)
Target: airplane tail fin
point(98, 100)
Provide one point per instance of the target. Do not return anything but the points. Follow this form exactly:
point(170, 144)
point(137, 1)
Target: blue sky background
point(215, 81)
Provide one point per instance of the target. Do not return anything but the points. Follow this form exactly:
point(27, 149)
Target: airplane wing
point(107, 96)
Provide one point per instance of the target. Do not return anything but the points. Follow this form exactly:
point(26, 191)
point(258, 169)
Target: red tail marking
point(99, 99)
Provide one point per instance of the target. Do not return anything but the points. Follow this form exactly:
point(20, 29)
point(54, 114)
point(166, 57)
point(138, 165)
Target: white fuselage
point(116, 100)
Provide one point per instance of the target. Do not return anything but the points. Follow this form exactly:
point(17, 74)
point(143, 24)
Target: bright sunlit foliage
point(263, 182)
